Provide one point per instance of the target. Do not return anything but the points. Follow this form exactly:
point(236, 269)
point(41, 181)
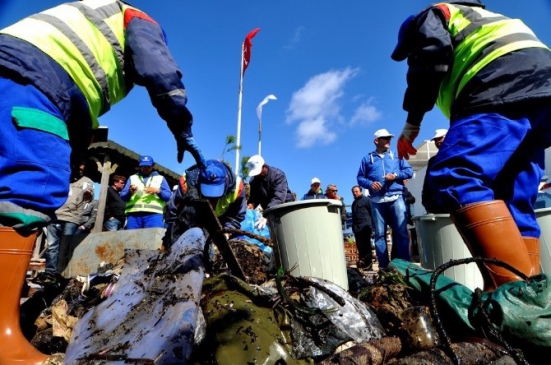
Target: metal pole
point(238, 142)
point(260, 136)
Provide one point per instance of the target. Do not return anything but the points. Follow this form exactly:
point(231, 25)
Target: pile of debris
point(186, 307)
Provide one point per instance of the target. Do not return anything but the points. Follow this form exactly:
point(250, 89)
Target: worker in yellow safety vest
point(491, 76)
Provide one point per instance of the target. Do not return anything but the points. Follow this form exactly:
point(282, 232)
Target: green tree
point(244, 172)
point(229, 146)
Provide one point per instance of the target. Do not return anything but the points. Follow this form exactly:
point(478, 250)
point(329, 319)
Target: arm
point(153, 66)
point(236, 213)
point(93, 214)
point(280, 190)
point(125, 192)
point(405, 171)
point(165, 193)
point(363, 174)
point(427, 45)
point(174, 202)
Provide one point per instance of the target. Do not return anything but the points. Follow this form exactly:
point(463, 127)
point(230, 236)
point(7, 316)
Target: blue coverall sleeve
point(428, 47)
point(125, 192)
point(165, 192)
point(153, 66)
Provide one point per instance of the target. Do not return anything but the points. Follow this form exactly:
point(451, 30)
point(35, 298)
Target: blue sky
point(327, 62)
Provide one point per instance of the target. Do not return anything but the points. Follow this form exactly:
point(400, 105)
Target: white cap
point(315, 180)
point(255, 164)
point(383, 133)
point(439, 134)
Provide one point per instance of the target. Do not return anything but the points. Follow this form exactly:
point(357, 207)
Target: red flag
point(247, 44)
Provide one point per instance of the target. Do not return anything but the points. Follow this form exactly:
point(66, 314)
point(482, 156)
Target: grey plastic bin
point(439, 242)
point(308, 234)
point(543, 217)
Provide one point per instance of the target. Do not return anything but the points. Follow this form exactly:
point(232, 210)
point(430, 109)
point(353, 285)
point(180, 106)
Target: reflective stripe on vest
point(479, 37)
point(224, 202)
point(145, 202)
point(87, 40)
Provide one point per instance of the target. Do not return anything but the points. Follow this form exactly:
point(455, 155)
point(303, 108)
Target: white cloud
point(365, 114)
point(295, 39)
point(316, 108)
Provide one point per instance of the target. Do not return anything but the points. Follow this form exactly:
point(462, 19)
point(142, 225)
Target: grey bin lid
point(303, 204)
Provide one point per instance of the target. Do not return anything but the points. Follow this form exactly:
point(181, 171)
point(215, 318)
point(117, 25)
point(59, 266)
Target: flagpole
point(238, 143)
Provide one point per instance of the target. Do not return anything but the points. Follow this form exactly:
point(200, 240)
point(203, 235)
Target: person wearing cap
point(68, 216)
point(268, 186)
point(490, 75)
point(331, 192)
point(383, 173)
point(315, 191)
point(428, 198)
point(145, 194)
point(215, 182)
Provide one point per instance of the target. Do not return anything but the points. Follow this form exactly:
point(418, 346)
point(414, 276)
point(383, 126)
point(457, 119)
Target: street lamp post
point(259, 115)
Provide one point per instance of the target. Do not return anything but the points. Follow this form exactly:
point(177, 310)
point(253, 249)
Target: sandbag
point(520, 310)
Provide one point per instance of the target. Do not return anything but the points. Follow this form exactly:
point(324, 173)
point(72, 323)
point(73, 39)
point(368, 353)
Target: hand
point(133, 188)
point(186, 143)
point(406, 139)
point(376, 186)
point(260, 223)
point(390, 177)
point(151, 190)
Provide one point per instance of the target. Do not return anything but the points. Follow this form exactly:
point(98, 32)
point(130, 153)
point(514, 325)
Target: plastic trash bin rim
point(305, 203)
point(542, 210)
point(430, 217)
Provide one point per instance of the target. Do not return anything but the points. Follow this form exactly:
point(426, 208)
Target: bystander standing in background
point(362, 227)
point(115, 217)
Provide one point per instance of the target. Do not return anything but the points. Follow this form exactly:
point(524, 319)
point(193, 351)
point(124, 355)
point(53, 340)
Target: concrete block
point(82, 254)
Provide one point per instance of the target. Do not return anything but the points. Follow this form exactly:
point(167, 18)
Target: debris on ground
point(158, 308)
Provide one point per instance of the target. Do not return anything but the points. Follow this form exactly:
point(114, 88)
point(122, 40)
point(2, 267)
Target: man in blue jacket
point(491, 76)
point(383, 173)
point(59, 71)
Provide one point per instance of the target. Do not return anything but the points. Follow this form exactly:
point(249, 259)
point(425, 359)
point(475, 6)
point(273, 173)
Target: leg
point(153, 220)
point(399, 224)
point(133, 221)
point(363, 244)
point(15, 255)
point(34, 164)
point(379, 212)
point(112, 224)
point(52, 252)
point(464, 175)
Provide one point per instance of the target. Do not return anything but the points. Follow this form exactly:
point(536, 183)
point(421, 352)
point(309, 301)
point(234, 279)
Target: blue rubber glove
point(186, 143)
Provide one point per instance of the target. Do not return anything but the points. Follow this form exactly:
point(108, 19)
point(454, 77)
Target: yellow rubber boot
point(15, 255)
point(489, 231)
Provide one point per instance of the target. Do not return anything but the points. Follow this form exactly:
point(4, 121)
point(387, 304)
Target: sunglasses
point(385, 138)
point(334, 191)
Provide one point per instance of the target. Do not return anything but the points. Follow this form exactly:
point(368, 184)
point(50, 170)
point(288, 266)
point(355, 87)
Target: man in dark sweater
point(362, 227)
point(114, 205)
